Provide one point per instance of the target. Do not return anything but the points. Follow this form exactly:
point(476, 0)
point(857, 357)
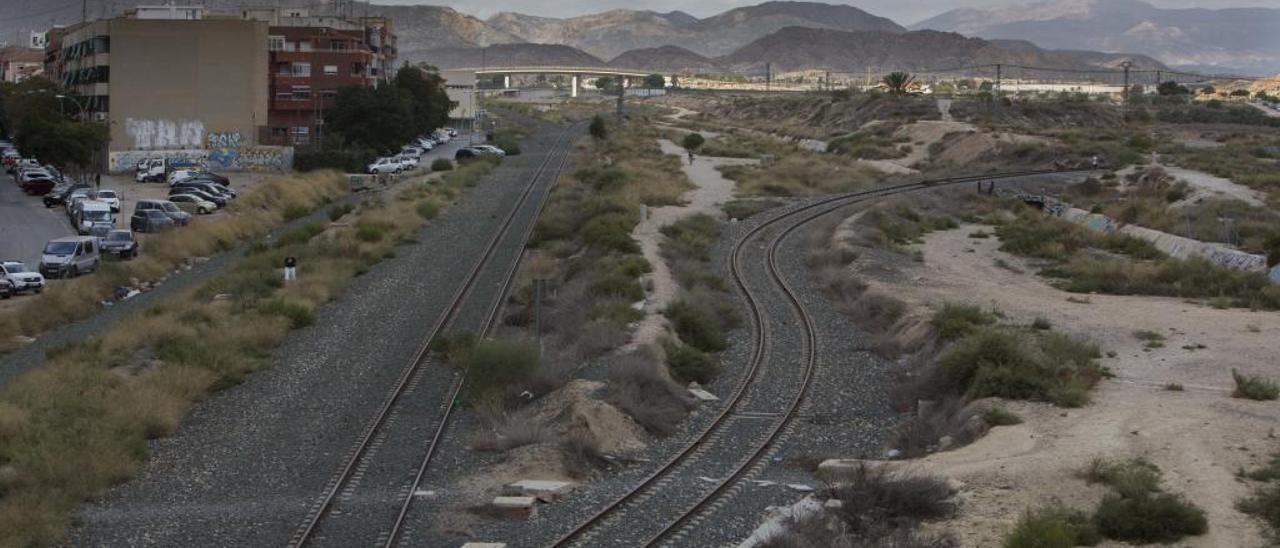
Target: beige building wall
point(187, 84)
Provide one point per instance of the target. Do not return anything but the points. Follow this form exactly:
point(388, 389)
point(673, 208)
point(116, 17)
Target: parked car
point(91, 213)
point(120, 243)
point(69, 256)
point(6, 289)
point(492, 149)
point(385, 165)
point(58, 196)
point(407, 162)
point(111, 197)
point(212, 189)
point(179, 175)
point(37, 183)
point(179, 217)
point(158, 169)
point(150, 220)
point(412, 151)
point(466, 154)
point(221, 180)
point(196, 203)
point(202, 193)
point(20, 277)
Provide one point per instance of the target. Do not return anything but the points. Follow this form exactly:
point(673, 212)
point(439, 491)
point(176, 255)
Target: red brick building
point(310, 58)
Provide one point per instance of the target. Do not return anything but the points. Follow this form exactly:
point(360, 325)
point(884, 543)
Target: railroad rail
point(322, 510)
point(762, 339)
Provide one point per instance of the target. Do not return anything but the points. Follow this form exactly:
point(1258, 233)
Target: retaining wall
point(248, 158)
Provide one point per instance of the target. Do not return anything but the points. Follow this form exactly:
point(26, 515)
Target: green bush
point(441, 164)
point(337, 211)
point(370, 232)
point(428, 209)
point(295, 212)
point(1133, 478)
point(697, 326)
point(1265, 504)
point(688, 364)
point(1052, 527)
point(611, 231)
point(508, 144)
point(956, 320)
point(1020, 365)
point(347, 161)
point(497, 368)
point(1252, 387)
point(300, 235)
point(999, 416)
point(1162, 517)
point(299, 315)
point(618, 285)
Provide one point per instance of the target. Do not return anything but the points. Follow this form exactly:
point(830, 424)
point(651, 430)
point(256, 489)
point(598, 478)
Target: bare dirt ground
point(1199, 437)
point(712, 191)
point(1204, 185)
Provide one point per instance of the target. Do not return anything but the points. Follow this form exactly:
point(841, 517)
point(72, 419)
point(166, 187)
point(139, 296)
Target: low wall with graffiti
point(239, 158)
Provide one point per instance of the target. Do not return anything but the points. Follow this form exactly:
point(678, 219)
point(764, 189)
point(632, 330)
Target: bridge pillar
point(506, 81)
point(573, 87)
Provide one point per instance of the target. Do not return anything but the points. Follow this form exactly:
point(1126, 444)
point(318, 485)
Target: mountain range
point(1065, 34)
point(1245, 40)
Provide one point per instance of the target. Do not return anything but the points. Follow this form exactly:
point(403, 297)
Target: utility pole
point(995, 100)
point(1124, 94)
point(622, 91)
point(84, 11)
point(768, 76)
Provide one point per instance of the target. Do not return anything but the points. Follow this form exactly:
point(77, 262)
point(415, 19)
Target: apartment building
point(166, 78)
point(19, 63)
point(311, 57)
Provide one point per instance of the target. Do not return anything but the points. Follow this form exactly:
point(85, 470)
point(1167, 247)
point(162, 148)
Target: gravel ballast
point(249, 463)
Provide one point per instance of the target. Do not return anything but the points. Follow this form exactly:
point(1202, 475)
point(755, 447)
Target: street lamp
point(84, 110)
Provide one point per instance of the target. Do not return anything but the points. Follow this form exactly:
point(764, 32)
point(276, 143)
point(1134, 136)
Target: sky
point(904, 12)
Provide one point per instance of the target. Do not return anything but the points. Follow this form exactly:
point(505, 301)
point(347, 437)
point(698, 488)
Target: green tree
point(372, 118)
point(598, 129)
point(41, 124)
point(607, 83)
point(655, 81)
point(428, 99)
point(693, 141)
point(898, 82)
point(1171, 88)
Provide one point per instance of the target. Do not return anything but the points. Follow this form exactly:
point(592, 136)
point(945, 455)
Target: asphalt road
point(25, 224)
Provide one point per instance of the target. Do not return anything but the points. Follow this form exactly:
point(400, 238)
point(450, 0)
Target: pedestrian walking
point(97, 181)
point(1095, 162)
point(290, 268)
point(690, 156)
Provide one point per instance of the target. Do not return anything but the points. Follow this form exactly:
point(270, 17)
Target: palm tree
point(898, 82)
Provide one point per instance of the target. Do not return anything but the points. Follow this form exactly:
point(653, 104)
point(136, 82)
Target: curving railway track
point(367, 499)
point(622, 521)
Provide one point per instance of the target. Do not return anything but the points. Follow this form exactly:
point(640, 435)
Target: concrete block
point(831, 466)
point(702, 395)
point(515, 507)
point(543, 490)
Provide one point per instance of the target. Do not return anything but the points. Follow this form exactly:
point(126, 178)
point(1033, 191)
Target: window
point(331, 70)
point(304, 45)
point(284, 69)
point(301, 93)
point(88, 247)
point(339, 45)
point(275, 43)
point(301, 69)
point(284, 96)
point(301, 135)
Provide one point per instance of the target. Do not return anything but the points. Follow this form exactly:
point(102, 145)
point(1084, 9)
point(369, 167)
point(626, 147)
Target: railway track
point(585, 533)
point(344, 485)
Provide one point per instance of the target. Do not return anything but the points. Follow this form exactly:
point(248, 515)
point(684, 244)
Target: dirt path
point(712, 191)
point(1205, 185)
point(1199, 437)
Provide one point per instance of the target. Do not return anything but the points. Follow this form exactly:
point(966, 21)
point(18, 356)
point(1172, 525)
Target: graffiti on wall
point(219, 139)
point(245, 158)
point(152, 134)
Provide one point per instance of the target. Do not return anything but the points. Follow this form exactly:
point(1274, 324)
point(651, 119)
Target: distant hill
point(797, 48)
point(666, 60)
point(1219, 40)
point(509, 55)
point(609, 34)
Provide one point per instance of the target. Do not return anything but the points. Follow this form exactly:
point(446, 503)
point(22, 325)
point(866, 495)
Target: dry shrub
point(640, 387)
point(507, 431)
point(872, 497)
point(582, 454)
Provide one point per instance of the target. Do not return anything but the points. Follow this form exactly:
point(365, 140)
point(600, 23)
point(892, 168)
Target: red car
point(38, 185)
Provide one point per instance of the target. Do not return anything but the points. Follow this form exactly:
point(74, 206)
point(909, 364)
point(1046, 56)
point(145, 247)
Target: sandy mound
point(574, 408)
point(1199, 437)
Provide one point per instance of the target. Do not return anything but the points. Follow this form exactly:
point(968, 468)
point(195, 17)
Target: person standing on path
point(690, 156)
point(290, 268)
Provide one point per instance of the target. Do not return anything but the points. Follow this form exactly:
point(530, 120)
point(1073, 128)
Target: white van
point(91, 213)
point(69, 257)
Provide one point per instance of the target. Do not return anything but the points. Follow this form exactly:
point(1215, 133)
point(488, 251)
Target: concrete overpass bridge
point(576, 72)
